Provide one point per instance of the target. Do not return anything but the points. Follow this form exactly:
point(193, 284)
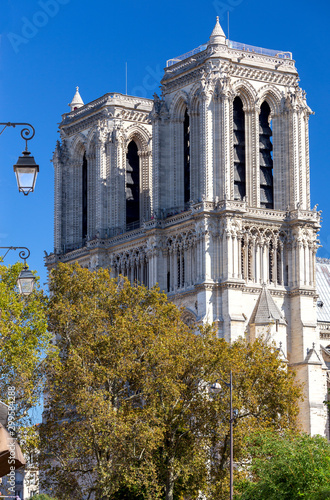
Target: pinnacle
point(217, 36)
point(77, 101)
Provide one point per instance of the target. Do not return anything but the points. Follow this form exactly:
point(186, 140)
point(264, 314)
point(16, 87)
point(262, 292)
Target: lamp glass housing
point(215, 388)
point(25, 282)
point(26, 171)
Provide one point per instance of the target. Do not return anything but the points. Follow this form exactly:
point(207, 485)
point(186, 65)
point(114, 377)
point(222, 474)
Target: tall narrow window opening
point(239, 149)
point(266, 157)
point(132, 186)
point(186, 152)
point(286, 278)
point(84, 197)
point(279, 267)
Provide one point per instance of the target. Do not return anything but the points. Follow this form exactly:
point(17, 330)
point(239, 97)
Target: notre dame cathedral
point(205, 190)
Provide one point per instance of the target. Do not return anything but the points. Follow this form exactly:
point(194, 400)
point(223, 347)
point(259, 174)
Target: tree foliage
point(23, 342)
point(43, 496)
point(287, 467)
point(129, 407)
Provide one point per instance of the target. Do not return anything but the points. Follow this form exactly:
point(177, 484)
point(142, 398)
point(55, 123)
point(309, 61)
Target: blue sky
point(47, 47)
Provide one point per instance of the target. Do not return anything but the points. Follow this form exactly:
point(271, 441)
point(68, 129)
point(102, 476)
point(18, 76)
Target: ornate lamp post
point(25, 169)
point(26, 279)
point(215, 388)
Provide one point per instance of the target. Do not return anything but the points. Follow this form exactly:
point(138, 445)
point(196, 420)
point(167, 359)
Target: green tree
point(287, 467)
point(129, 410)
point(23, 343)
point(43, 496)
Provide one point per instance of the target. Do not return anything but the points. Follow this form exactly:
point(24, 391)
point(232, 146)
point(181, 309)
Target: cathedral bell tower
point(205, 191)
point(253, 231)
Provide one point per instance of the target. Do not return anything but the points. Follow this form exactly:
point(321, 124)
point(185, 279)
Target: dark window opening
point(266, 157)
point(239, 149)
point(168, 281)
point(84, 197)
point(279, 267)
point(132, 185)
point(186, 152)
point(286, 279)
point(181, 269)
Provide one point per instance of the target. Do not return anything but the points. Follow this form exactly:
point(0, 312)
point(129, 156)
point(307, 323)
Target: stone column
point(58, 195)
point(172, 268)
point(116, 180)
point(92, 187)
point(74, 202)
point(266, 261)
point(251, 155)
point(229, 255)
point(155, 203)
point(226, 145)
point(257, 261)
point(145, 185)
point(175, 267)
point(306, 141)
point(100, 174)
point(206, 176)
point(282, 262)
point(246, 258)
point(151, 256)
point(240, 256)
point(236, 256)
point(311, 264)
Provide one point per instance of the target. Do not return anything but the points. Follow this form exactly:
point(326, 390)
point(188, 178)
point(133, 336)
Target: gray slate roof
point(266, 310)
point(323, 289)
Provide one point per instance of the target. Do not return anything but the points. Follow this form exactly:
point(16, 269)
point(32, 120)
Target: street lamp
point(26, 279)
point(215, 388)
point(25, 169)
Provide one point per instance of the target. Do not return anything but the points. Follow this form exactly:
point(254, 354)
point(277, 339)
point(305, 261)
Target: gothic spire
point(266, 310)
point(77, 101)
point(217, 36)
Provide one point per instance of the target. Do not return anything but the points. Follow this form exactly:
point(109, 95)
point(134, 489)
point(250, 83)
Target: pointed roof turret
point(77, 101)
point(282, 355)
point(312, 357)
point(266, 311)
point(217, 36)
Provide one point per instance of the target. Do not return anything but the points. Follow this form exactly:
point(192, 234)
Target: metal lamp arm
point(23, 254)
point(26, 133)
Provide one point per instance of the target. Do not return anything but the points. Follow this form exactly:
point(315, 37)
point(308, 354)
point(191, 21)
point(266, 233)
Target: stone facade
point(222, 218)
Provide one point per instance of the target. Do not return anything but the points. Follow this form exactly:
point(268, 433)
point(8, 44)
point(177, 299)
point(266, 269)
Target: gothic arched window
point(186, 156)
point(84, 196)
point(132, 184)
point(239, 149)
point(266, 157)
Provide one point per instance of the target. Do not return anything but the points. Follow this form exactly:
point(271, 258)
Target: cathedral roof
point(217, 35)
point(266, 311)
point(323, 289)
point(77, 101)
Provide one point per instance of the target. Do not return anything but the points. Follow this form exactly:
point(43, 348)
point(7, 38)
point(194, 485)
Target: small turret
point(217, 36)
point(77, 101)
